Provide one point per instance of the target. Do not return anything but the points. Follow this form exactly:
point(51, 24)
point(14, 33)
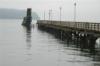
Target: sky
point(86, 10)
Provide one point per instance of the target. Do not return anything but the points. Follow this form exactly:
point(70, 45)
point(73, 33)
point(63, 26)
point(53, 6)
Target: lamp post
point(75, 12)
point(75, 15)
point(49, 14)
point(60, 16)
point(44, 15)
point(60, 8)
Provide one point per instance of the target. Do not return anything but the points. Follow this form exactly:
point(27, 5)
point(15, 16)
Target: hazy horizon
point(87, 10)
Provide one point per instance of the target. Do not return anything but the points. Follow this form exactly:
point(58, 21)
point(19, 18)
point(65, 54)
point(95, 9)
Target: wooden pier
point(84, 27)
point(84, 31)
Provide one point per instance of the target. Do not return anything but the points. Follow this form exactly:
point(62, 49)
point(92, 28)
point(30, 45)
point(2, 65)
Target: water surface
point(21, 46)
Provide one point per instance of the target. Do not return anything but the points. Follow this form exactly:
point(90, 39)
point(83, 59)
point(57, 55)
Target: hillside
point(15, 14)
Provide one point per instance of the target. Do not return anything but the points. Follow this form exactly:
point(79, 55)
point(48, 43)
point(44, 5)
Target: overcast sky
point(87, 10)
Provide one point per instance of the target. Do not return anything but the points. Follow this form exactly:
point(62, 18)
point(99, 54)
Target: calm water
point(20, 46)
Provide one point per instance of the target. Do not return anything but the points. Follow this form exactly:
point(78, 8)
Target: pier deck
point(84, 27)
point(85, 33)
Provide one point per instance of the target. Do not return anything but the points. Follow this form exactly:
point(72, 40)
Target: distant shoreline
point(15, 14)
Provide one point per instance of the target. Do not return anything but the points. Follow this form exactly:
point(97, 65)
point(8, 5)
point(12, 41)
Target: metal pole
point(75, 15)
point(49, 14)
point(74, 12)
point(44, 15)
point(60, 8)
point(60, 13)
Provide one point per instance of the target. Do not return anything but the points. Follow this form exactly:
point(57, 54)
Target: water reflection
point(28, 37)
point(93, 55)
point(83, 51)
point(82, 47)
point(28, 43)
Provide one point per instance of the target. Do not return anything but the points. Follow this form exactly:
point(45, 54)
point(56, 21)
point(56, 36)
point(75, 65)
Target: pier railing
point(75, 25)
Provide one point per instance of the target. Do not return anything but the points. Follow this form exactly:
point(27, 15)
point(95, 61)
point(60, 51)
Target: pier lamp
point(44, 15)
point(75, 15)
point(75, 12)
point(60, 8)
point(50, 14)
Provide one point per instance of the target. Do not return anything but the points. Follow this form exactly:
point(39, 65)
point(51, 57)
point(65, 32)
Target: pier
point(84, 32)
